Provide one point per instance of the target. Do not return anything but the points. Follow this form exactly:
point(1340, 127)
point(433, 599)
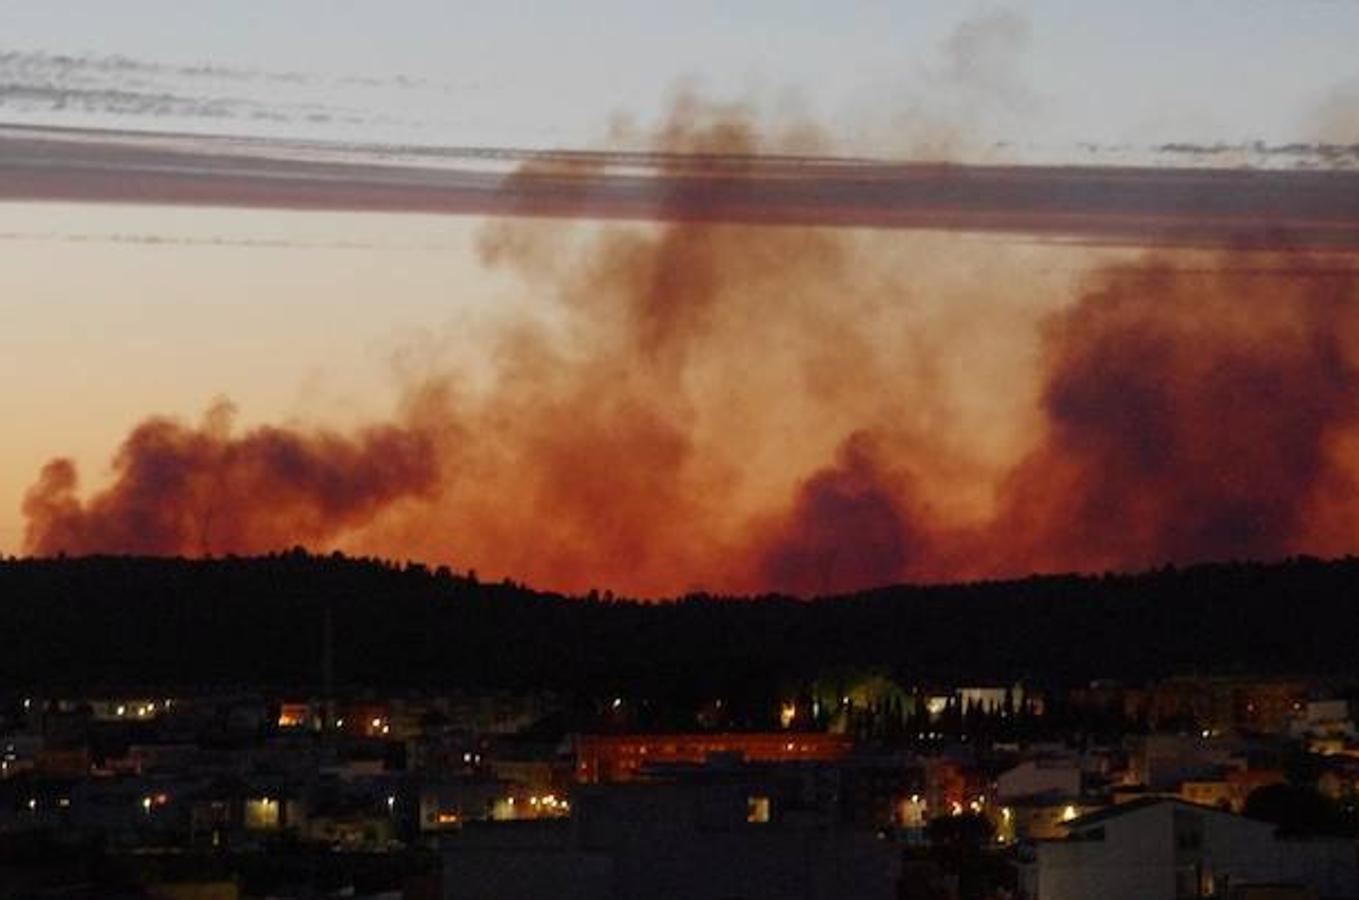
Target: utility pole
point(328, 669)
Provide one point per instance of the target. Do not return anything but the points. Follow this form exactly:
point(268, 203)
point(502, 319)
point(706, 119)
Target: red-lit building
point(621, 757)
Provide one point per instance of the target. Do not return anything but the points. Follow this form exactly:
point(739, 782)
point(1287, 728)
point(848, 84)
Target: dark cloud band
point(1154, 206)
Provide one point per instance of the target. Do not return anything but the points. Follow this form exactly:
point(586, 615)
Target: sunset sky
point(933, 354)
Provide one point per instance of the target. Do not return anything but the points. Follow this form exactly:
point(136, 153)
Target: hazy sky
point(111, 313)
point(1056, 71)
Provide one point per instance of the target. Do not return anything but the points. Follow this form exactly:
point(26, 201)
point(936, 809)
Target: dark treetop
point(139, 622)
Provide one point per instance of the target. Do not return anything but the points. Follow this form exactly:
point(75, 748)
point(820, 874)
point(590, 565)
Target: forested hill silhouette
point(90, 622)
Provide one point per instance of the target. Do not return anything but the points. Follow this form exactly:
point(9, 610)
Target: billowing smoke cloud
point(694, 404)
point(203, 490)
point(1192, 414)
point(852, 526)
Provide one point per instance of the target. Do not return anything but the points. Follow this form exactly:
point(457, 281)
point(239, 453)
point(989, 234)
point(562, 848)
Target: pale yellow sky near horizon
point(111, 313)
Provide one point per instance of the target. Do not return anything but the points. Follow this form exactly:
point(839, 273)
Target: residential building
point(723, 832)
point(1161, 849)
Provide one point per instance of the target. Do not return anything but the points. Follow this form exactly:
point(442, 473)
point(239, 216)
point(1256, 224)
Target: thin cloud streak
point(1142, 206)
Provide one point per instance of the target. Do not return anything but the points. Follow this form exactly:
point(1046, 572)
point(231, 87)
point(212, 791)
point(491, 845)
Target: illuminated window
point(262, 814)
point(293, 715)
point(757, 809)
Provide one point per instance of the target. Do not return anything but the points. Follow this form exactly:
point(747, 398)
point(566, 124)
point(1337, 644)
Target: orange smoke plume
point(852, 526)
point(748, 408)
point(1192, 414)
point(179, 490)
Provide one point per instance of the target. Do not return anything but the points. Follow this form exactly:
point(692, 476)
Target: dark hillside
point(114, 621)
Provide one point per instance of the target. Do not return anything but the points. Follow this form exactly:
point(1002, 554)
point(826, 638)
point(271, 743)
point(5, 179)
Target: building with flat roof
point(1166, 849)
point(695, 833)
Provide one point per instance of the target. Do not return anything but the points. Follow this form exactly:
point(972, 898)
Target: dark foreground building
point(701, 834)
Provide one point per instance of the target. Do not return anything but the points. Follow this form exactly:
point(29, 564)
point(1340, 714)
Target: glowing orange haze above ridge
point(749, 408)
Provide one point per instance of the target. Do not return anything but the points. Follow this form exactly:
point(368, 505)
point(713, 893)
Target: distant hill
point(116, 621)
